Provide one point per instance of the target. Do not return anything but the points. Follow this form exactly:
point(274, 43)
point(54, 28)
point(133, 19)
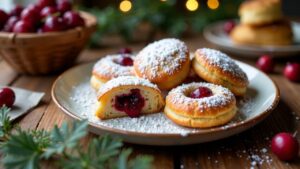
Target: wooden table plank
point(7, 74)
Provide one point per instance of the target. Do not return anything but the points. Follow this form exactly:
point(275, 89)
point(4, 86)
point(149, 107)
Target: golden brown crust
point(276, 34)
point(260, 12)
point(235, 79)
point(204, 112)
point(165, 63)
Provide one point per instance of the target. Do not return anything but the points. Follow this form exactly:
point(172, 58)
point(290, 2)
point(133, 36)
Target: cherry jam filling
point(131, 103)
point(124, 61)
point(200, 93)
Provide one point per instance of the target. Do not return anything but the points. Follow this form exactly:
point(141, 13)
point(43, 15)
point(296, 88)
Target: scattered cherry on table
point(292, 72)
point(228, 26)
point(266, 64)
point(285, 146)
point(7, 97)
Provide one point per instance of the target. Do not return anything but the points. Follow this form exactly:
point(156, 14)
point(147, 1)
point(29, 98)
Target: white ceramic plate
point(215, 34)
point(73, 94)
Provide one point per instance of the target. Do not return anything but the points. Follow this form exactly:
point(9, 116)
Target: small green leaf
point(22, 151)
point(66, 137)
point(5, 123)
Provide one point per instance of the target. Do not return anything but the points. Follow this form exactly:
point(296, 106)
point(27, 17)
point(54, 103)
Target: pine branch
point(26, 149)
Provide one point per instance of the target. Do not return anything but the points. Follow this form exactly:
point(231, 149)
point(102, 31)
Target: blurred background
point(134, 21)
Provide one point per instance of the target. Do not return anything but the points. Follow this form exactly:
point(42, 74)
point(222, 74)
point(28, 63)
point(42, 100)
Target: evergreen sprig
point(28, 149)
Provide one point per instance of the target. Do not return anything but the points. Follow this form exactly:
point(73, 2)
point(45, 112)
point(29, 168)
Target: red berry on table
point(47, 11)
point(64, 6)
point(9, 26)
point(23, 27)
point(7, 97)
point(44, 3)
point(125, 51)
point(228, 26)
point(3, 18)
point(31, 14)
point(53, 24)
point(201, 92)
point(125, 61)
point(16, 11)
point(292, 71)
point(266, 64)
point(73, 19)
point(285, 146)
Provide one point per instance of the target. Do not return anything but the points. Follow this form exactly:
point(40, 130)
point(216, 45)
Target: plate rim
point(209, 36)
point(250, 122)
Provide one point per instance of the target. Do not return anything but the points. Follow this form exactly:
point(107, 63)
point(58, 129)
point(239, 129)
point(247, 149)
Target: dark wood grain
point(245, 150)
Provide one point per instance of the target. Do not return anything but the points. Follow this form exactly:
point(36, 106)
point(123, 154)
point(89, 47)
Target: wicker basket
point(38, 54)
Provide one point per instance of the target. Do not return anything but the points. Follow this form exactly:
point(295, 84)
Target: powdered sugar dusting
point(161, 57)
point(125, 80)
point(84, 97)
point(107, 67)
point(221, 96)
point(217, 58)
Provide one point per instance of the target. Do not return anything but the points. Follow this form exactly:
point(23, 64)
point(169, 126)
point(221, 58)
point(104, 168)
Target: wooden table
point(245, 150)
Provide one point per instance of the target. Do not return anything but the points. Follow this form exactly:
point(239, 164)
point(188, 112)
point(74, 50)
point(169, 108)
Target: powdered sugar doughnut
point(110, 67)
point(216, 67)
point(165, 62)
point(207, 111)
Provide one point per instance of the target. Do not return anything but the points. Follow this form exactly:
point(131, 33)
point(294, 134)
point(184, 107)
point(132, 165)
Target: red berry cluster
point(43, 16)
point(291, 70)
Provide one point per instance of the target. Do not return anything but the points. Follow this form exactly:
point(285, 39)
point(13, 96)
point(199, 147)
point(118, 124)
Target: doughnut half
point(211, 111)
point(128, 96)
point(218, 68)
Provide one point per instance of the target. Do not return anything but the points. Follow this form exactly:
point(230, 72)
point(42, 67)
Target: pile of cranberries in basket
point(43, 16)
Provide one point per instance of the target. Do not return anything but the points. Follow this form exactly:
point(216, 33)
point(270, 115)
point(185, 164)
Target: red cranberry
point(44, 3)
point(9, 26)
point(265, 63)
point(125, 61)
point(132, 103)
point(201, 92)
point(16, 11)
point(53, 24)
point(125, 51)
point(285, 146)
point(64, 6)
point(228, 26)
point(23, 27)
point(31, 14)
point(47, 11)
point(7, 97)
point(73, 19)
point(3, 18)
point(292, 71)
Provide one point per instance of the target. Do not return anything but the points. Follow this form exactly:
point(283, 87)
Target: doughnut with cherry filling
point(110, 67)
point(200, 105)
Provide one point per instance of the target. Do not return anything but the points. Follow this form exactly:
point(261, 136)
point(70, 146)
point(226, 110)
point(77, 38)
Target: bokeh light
point(213, 4)
point(192, 5)
point(125, 6)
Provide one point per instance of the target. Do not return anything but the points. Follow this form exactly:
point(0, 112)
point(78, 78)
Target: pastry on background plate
point(200, 105)
point(165, 62)
point(216, 67)
point(110, 67)
point(128, 96)
point(260, 12)
point(275, 34)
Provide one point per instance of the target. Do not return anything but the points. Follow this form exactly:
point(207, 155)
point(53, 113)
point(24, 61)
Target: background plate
point(73, 94)
point(215, 34)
